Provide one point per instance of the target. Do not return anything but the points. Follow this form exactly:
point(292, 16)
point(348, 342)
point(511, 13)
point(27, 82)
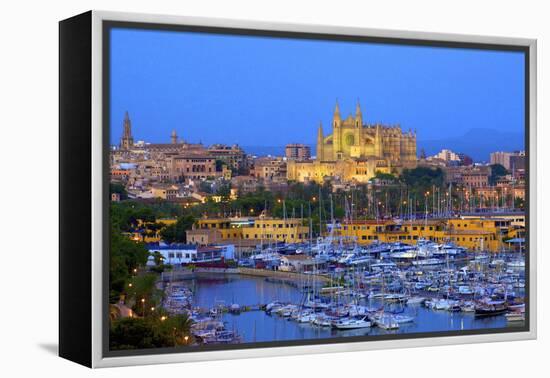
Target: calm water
point(257, 326)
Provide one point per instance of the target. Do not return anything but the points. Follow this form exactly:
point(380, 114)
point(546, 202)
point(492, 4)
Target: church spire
point(320, 155)
point(358, 115)
point(174, 137)
point(337, 111)
point(127, 141)
point(127, 125)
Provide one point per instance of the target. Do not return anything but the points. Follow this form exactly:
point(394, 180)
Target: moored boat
point(490, 308)
point(352, 323)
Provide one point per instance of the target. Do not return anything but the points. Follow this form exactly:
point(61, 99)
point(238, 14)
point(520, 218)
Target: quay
point(292, 278)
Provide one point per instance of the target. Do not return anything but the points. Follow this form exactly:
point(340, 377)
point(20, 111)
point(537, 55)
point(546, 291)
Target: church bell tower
point(127, 140)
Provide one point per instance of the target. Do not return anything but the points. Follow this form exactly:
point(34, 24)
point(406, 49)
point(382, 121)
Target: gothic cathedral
point(356, 151)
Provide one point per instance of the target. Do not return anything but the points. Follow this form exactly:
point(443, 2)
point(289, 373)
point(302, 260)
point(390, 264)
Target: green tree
point(125, 256)
point(224, 190)
point(180, 326)
point(138, 333)
point(119, 188)
point(385, 176)
point(423, 178)
point(175, 233)
point(143, 294)
point(497, 171)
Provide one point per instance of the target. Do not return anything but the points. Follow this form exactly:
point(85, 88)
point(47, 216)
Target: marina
point(388, 294)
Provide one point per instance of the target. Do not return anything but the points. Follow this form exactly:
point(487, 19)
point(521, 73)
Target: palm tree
point(181, 327)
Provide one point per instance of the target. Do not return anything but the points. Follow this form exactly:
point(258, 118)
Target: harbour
point(469, 292)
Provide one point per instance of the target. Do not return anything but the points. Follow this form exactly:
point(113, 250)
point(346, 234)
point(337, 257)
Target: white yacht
point(352, 323)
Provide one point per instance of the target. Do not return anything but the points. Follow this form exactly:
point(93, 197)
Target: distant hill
point(477, 143)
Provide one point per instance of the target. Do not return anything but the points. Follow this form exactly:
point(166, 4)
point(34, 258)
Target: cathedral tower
point(320, 155)
point(337, 132)
point(174, 137)
point(358, 124)
point(127, 140)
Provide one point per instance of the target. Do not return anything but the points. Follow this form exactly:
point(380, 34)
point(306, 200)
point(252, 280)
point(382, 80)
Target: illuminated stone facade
point(356, 151)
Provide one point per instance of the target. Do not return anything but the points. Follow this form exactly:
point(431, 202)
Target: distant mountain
point(477, 143)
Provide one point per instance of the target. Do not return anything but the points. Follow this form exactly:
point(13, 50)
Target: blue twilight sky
point(259, 91)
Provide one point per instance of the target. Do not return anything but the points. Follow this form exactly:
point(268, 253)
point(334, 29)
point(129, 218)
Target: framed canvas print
point(234, 189)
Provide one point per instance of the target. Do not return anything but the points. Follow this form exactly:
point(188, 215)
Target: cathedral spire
point(320, 155)
point(174, 137)
point(358, 115)
point(337, 110)
point(127, 141)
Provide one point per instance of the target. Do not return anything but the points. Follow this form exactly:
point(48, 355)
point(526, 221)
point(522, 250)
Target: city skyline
point(175, 80)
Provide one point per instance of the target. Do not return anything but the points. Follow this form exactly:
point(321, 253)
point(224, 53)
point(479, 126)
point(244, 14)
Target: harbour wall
point(277, 275)
point(285, 276)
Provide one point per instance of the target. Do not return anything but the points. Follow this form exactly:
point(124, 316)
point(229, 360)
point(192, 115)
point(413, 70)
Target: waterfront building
point(516, 218)
point(261, 229)
point(215, 253)
point(178, 253)
point(474, 233)
point(355, 151)
point(288, 230)
point(174, 253)
point(215, 230)
point(206, 236)
point(297, 151)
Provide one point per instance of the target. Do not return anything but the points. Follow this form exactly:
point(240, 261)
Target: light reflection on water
point(257, 326)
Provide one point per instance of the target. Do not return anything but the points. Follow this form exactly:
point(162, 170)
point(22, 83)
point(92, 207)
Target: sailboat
point(352, 323)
